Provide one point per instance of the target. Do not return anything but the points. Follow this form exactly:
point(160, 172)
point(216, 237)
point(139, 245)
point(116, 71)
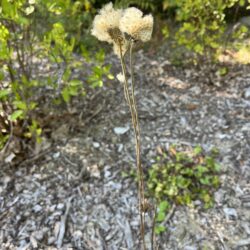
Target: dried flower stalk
point(123, 28)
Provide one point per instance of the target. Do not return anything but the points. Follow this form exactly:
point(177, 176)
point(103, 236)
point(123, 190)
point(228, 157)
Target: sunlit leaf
point(29, 10)
point(16, 114)
point(4, 93)
point(160, 229)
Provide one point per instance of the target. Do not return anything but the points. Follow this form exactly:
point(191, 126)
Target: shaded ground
point(78, 182)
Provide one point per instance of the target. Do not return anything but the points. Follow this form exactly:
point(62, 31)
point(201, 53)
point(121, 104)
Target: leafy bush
point(182, 177)
point(143, 4)
point(202, 25)
point(37, 43)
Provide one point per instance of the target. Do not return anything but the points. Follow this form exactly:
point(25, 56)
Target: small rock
point(190, 248)
point(121, 130)
point(219, 196)
point(246, 127)
point(22, 244)
point(94, 171)
point(238, 191)
point(107, 173)
point(247, 93)
point(60, 206)
point(243, 242)
point(246, 204)
point(197, 203)
point(37, 208)
point(246, 227)
point(196, 90)
point(52, 208)
point(230, 213)
point(26, 213)
point(77, 234)
point(9, 158)
point(51, 240)
point(38, 235)
point(120, 148)
point(96, 144)
point(33, 242)
point(56, 155)
point(115, 185)
point(134, 223)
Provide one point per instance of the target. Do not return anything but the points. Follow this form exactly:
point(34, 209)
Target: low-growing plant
point(180, 178)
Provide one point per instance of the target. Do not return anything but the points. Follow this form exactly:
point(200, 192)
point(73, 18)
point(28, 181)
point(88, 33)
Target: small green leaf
point(206, 198)
point(201, 170)
point(66, 95)
point(160, 229)
point(182, 182)
point(124, 174)
point(32, 105)
point(75, 82)
point(217, 167)
point(20, 105)
point(205, 181)
point(4, 93)
point(223, 71)
point(197, 150)
point(73, 91)
point(209, 161)
point(163, 206)
point(110, 76)
point(98, 83)
point(160, 216)
point(16, 114)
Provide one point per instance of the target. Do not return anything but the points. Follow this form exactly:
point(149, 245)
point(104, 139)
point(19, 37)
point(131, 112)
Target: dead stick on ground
point(63, 224)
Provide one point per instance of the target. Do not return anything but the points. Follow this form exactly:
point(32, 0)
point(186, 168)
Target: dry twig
point(63, 224)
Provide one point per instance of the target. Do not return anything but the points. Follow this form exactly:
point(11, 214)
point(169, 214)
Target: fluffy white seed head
point(106, 22)
point(113, 25)
point(136, 25)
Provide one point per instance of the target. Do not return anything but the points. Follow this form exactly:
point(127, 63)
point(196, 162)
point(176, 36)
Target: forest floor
point(74, 194)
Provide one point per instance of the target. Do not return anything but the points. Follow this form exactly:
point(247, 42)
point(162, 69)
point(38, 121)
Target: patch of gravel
point(77, 197)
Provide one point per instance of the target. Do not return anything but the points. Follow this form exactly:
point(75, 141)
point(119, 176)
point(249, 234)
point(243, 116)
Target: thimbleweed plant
point(123, 28)
point(179, 178)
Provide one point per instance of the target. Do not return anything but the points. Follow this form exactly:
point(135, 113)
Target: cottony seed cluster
point(119, 26)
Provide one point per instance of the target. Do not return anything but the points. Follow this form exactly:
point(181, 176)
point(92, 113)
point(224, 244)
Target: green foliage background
point(42, 32)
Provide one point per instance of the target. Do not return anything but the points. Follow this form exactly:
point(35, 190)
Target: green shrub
point(180, 178)
point(202, 25)
point(35, 34)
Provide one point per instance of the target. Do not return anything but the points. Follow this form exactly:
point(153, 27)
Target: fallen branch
point(63, 224)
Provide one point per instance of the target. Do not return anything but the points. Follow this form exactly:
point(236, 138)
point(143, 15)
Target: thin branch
point(10, 136)
point(63, 224)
